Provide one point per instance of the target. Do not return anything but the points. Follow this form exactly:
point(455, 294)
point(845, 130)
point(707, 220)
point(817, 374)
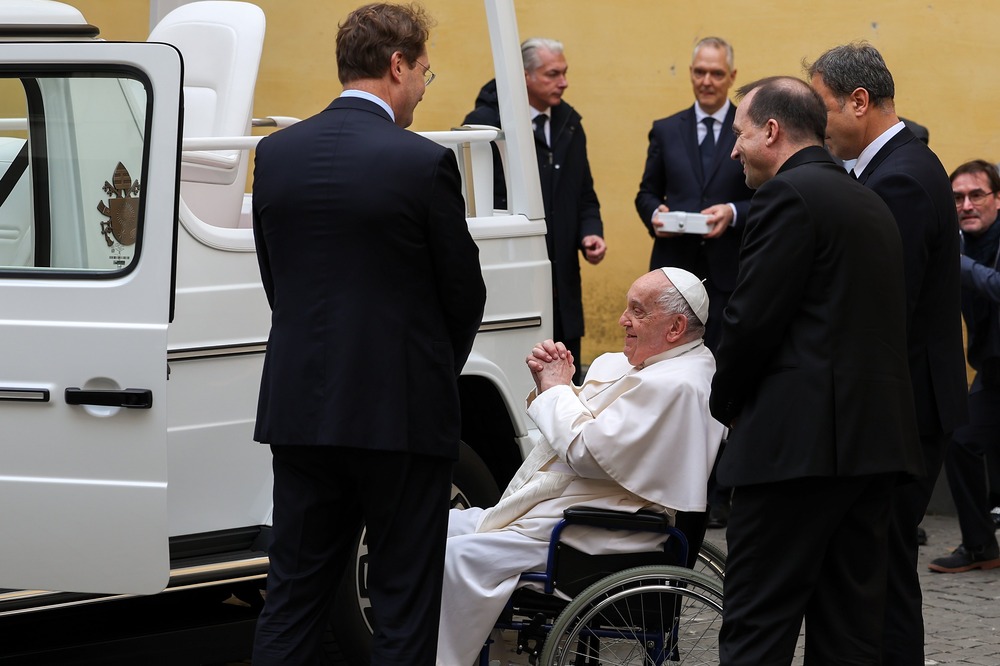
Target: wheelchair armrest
point(643, 520)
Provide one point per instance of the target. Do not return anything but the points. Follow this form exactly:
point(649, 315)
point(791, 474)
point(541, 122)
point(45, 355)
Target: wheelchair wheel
point(640, 617)
point(711, 561)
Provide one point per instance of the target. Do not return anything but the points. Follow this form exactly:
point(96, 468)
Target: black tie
point(853, 175)
point(707, 146)
point(539, 122)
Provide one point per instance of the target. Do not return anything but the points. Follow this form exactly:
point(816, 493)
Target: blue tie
point(707, 147)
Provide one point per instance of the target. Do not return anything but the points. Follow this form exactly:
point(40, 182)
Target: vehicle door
point(89, 140)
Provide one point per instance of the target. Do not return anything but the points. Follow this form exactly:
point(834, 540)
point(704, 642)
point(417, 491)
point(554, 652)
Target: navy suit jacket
point(910, 179)
point(673, 177)
point(374, 284)
point(812, 368)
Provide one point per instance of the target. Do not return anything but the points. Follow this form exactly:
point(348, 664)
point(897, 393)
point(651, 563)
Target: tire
point(629, 618)
point(711, 561)
point(350, 630)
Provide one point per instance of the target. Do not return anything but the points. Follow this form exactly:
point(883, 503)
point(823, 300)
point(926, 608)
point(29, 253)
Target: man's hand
point(656, 225)
point(594, 248)
point(720, 216)
point(551, 364)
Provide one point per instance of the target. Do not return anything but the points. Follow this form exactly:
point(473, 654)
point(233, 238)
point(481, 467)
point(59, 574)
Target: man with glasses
point(376, 295)
point(858, 91)
point(688, 170)
point(976, 186)
point(572, 210)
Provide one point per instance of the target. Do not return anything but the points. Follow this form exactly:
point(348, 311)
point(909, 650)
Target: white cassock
point(630, 438)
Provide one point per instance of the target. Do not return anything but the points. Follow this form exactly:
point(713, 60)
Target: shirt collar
point(671, 353)
point(535, 112)
point(720, 115)
point(352, 92)
point(871, 150)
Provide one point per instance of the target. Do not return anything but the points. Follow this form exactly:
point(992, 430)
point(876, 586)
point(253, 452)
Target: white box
point(684, 223)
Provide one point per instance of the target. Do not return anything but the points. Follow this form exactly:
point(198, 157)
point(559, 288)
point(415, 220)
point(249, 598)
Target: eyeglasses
point(428, 74)
point(977, 197)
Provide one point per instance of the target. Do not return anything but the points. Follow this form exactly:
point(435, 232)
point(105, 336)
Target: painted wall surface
point(629, 66)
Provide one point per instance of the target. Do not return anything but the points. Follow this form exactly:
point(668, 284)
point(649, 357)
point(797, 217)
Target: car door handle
point(132, 398)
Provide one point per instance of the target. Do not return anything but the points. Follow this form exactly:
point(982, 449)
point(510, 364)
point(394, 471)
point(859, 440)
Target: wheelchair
point(639, 609)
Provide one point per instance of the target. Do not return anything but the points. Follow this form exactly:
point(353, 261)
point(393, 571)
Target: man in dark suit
point(812, 379)
point(572, 211)
point(376, 296)
point(976, 187)
point(862, 124)
point(688, 170)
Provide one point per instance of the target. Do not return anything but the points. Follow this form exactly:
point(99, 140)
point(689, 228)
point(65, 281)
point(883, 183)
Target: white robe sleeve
point(651, 430)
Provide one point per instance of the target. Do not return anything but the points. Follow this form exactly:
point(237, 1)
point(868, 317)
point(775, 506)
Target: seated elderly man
point(637, 435)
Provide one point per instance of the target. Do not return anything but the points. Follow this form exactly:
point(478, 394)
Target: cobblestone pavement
point(961, 611)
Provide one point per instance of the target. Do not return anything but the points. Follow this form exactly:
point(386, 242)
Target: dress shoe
point(718, 516)
point(963, 559)
point(921, 536)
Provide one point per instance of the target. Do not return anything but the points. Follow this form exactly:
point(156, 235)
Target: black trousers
point(903, 640)
point(812, 549)
point(973, 449)
point(321, 497)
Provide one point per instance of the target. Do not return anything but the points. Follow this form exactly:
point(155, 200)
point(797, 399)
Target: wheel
point(711, 561)
point(351, 618)
point(641, 616)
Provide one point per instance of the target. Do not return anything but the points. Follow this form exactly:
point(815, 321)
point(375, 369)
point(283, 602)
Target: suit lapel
point(724, 146)
point(901, 138)
point(689, 137)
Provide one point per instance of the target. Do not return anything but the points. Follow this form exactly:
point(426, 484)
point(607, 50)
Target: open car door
point(89, 141)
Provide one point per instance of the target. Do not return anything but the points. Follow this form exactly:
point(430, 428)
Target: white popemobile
point(133, 322)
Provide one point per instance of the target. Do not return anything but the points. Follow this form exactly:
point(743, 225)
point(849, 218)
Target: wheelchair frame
point(623, 608)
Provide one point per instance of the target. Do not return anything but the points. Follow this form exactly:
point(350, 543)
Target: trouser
point(813, 549)
point(903, 638)
point(973, 449)
point(321, 497)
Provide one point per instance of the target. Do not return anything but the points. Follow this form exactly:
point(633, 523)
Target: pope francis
point(636, 435)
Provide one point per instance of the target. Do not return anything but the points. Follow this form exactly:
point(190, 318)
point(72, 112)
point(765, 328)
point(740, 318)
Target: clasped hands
point(551, 364)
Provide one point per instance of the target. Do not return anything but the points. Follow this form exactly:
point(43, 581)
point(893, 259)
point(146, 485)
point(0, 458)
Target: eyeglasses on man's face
point(976, 197)
point(428, 74)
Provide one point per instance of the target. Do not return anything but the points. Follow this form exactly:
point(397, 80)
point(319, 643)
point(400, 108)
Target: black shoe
point(718, 516)
point(921, 536)
point(983, 557)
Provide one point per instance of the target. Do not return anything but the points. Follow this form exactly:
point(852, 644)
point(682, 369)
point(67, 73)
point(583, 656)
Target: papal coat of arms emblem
point(122, 209)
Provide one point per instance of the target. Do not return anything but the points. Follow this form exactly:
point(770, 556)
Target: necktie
point(539, 123)
point(853, 175)
point(707, 147)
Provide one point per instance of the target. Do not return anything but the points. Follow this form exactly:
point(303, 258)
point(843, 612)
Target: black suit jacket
point(910, 179)
point(572, 210)
point(812, 364)
point(373, 280)
point(673, 177)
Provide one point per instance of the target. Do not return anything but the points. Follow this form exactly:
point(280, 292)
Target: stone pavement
point(961, 611)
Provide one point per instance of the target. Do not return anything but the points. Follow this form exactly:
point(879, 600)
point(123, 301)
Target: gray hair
point(672, 302)
point(718, 43)
point(529, 51)
point(856, 65)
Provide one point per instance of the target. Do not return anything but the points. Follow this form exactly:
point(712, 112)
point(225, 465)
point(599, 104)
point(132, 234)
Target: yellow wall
point(628, 66)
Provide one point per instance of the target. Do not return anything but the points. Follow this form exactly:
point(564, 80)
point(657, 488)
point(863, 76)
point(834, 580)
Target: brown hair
point(978, 166)
point(370, 35)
